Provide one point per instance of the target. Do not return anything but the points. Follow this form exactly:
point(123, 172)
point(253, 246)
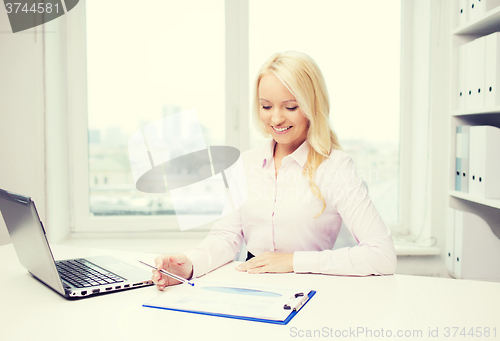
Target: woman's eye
point(266, 107)
point(293, 109)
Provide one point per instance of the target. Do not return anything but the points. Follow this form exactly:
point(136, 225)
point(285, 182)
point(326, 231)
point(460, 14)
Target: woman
point(300, 189)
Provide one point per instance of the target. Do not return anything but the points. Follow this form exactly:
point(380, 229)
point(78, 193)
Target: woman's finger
point(156, 276)
point(159, 261)
point(259, 270)
point(252, 264)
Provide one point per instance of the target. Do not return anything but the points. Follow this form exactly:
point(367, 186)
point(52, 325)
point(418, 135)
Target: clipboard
point(182, 298)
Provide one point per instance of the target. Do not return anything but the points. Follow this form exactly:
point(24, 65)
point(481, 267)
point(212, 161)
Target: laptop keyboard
point(82, 274)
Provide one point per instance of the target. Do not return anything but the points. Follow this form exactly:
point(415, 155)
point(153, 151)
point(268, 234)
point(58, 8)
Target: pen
point(183, 280)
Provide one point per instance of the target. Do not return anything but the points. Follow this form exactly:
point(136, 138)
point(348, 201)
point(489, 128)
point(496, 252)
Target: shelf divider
point(495, 203)
point(478, 111)
point(483, 26)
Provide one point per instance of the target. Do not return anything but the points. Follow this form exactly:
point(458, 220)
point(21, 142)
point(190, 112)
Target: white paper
point(234, 299)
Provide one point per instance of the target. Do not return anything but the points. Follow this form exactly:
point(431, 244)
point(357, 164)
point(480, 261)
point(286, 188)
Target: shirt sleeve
point(225, 238)
point(375, 253)
point(219, 247)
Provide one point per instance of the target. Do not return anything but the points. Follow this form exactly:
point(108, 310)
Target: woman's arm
point(219, 247)
point(225, 238)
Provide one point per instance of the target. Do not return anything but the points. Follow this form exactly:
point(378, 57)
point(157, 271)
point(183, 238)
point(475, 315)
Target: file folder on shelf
point(484, 162)
point(276, 305)
point(462, 88)
point(450, 234)
point(474, 61)
point(470, 75)
point(479, 79)
point(462, 12)
point(462, 159)
point(492, 69)
point(472, 9)
point(458, 160)
point(478, 8)
point(458, 243)
point(476, 248)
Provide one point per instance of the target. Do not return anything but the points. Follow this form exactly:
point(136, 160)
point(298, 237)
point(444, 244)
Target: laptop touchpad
point(114, 265)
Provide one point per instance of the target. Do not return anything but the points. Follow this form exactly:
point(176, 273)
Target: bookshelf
point(464, 244)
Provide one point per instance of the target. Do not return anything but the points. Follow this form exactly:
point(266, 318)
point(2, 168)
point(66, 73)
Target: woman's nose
point(277, 118)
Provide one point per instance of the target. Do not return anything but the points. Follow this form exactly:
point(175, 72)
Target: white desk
point(31, 311)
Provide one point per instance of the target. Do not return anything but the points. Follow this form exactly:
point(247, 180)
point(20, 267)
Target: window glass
point(357, 46)
point(146, 61)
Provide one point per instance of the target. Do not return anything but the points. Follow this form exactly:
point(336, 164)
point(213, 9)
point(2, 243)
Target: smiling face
point(281, 115)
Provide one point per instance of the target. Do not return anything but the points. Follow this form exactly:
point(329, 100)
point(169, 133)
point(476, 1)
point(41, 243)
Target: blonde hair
point(300, 74)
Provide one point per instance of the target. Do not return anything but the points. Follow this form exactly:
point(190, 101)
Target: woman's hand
point(179, 265)
point(268, 262)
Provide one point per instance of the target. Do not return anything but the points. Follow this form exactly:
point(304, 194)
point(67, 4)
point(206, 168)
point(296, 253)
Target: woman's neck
point(282, 150)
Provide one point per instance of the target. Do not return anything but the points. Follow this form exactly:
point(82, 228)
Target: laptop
point(72, 278)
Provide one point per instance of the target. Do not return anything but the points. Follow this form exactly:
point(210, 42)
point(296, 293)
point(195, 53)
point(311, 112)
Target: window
point(144, 63)
point(137, 65)
point(357, 46)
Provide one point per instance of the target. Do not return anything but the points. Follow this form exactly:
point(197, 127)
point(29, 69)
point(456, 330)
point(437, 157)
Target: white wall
point(22, 146)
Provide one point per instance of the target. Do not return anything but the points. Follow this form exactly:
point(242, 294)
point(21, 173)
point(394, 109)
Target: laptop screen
point(28, 236)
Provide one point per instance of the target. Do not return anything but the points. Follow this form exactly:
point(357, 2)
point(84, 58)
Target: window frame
point(237, 115)
point(406, 70)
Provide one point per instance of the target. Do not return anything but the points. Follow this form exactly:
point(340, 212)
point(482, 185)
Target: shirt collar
point(299, 155)
point(268, 152)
